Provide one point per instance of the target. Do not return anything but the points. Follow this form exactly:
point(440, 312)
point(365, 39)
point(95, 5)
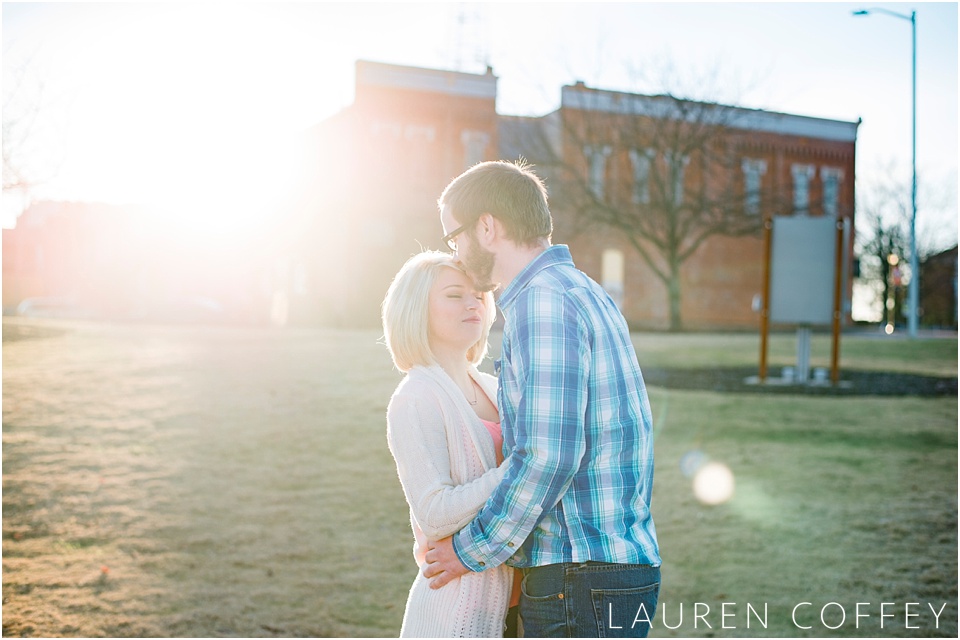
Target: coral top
point(497, 435)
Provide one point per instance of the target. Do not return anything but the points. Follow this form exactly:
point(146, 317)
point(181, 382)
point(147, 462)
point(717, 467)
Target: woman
point(443, 431)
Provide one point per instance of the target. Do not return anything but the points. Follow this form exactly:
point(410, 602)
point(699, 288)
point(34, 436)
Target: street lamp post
point(913, 290)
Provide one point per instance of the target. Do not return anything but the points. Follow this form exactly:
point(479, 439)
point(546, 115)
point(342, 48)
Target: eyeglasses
point(449, 238)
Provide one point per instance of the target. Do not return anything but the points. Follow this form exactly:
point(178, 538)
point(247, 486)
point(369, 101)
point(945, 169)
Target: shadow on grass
point(852, 383)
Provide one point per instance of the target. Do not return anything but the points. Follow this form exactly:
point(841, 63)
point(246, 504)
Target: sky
point(196, 108)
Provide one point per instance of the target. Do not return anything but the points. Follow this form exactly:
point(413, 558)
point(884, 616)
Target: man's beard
point(479, 265)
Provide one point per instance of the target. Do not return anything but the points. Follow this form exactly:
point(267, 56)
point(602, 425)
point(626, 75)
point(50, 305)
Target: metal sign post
point(803, 284)
point(837, 309)
point(765, 307)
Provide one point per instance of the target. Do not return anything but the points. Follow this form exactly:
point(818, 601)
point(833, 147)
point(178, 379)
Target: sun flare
point(179, 112)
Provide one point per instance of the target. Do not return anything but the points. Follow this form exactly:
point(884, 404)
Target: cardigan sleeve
point(418, 443)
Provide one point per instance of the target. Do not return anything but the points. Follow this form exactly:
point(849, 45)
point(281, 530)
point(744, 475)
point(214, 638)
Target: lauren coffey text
point(831, 616)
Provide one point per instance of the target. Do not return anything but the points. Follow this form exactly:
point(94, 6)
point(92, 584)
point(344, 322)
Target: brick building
point(379, 166)
point(69, 258)
point(374, 173)
point(372, 176)
point(667, 160)
point(94, 260)
point(938, 290)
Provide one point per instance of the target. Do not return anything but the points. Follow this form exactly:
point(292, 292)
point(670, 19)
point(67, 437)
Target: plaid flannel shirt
point(577, 430)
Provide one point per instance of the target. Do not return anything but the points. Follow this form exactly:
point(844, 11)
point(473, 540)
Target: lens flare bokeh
point(713, 483)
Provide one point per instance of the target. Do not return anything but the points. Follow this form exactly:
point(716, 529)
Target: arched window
point(597, 159)
point(474, 145)
point(641, 174)
point(831, 178)
point(611, 277)
point(802, 175)
point(678, 167)
point(753, 171)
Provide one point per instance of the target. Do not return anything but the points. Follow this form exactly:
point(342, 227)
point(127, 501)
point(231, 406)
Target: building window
point(383, 128)
point(611, 277)
point(802, 175)
point(753, 171)
point(597, 159)
point(418, 151)
point(475, 146)
point(419, 133)
point(831, 178)
point(641, 174)
point(299, 278)
point(678, 166)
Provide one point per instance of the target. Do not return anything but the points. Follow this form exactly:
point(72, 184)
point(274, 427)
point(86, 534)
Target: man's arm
point(550, 352)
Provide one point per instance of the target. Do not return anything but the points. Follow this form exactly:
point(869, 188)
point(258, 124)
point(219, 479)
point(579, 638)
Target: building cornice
point(582, 98)
point(456, 83)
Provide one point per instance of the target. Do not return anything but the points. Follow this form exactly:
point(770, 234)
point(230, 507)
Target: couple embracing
point(529, 495)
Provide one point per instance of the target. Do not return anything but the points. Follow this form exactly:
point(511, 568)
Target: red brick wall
point(396, 148)
point(719, 281)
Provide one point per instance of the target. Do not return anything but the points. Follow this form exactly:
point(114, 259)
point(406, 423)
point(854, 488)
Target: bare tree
point(937, 215)
point(663, 171)
point(883, 235)
point(17, 123)
point(882, 244)
point(29, 137)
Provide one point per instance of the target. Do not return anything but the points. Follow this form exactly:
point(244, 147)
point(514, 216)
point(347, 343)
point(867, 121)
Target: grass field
point(201, 481)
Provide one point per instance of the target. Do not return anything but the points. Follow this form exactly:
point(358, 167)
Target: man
point(573, 510)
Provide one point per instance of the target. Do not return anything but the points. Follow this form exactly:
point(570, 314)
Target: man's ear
point(488, 228)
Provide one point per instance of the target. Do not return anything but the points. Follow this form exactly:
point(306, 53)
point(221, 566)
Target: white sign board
point(802, 269)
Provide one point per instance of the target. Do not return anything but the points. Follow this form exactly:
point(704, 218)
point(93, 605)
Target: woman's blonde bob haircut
point(406, 312)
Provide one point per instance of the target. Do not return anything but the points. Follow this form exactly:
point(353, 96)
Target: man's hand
point(443, 565)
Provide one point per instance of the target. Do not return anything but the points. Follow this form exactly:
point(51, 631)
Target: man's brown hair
point(510, 191)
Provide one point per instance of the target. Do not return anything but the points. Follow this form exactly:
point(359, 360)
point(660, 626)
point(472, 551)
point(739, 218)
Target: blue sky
point(171, 102)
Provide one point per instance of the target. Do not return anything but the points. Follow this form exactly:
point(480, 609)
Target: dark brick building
point(938, 290)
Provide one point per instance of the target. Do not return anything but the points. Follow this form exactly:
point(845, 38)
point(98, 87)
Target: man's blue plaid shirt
point(577, 430)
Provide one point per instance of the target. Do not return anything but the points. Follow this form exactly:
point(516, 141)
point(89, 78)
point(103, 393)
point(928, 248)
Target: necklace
point(475, 398)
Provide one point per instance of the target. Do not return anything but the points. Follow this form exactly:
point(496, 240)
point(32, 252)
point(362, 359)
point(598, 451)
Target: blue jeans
point(589, 600)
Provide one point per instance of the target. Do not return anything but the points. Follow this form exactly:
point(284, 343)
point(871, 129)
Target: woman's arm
point(418, 442)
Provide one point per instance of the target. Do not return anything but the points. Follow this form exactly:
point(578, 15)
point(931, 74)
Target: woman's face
point(456, 311)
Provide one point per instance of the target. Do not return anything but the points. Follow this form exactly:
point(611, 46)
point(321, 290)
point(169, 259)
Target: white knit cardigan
point(447, 467)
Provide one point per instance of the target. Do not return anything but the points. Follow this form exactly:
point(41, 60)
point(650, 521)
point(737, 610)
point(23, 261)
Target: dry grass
point(837, 500)
point(232, 483)
point(869, 351)
point(177, 481)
